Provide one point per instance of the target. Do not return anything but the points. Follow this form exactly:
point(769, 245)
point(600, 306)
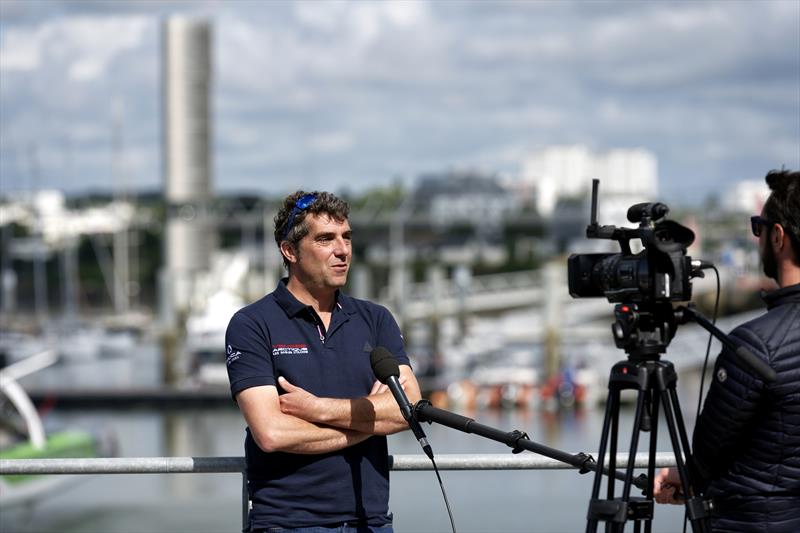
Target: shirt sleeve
point(729, 410)
point(390, 337)
point(248, 354)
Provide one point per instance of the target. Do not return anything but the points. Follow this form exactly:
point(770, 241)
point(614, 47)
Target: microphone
point(386, 369)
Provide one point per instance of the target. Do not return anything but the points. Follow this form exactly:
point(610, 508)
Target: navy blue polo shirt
point(280, 336)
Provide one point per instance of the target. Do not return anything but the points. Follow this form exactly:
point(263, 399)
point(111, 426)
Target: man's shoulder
point(259, 311)
point(362, 306)
point(767, 323)
point(771, 330)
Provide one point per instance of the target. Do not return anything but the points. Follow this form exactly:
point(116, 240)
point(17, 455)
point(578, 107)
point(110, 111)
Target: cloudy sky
point(358, 94)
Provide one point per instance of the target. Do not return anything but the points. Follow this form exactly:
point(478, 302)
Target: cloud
point(331, 142)
point(118, 35)
point(362, 22)
point(314, 43)
point(71, 44)
point(18, 51)
point(357, 92)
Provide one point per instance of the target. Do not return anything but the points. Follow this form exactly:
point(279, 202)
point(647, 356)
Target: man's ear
point(777, 236)
point(288, 251)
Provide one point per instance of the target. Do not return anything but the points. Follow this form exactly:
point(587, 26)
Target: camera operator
point(746, 445)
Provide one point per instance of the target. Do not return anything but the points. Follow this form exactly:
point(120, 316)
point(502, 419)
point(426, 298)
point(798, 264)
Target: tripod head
point(644, 330)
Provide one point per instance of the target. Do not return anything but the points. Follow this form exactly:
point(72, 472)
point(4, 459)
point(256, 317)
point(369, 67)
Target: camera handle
point(686, 313)
point(517, 440)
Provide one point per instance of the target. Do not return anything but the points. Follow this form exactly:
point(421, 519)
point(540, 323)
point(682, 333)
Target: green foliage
point(378, 197)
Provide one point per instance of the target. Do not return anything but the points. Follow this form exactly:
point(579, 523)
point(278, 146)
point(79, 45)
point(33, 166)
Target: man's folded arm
point(375, 414)
point(276, 431)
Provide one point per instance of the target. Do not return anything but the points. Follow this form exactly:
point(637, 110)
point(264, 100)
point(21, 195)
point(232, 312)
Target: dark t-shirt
point(280, 336)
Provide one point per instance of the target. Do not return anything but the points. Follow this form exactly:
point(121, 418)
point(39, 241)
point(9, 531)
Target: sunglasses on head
point(757, 222)
point(300, 205)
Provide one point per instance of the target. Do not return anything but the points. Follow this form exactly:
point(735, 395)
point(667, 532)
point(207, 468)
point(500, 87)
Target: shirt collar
point(344, 303)
point(292, 306)
point(790, 294)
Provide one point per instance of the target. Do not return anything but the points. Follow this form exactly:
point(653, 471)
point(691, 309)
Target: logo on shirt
point(289, 349)
point(233, 355)
point(722, 374)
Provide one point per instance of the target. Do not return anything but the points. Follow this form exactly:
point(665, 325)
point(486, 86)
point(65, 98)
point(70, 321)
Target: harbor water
point(482, 501)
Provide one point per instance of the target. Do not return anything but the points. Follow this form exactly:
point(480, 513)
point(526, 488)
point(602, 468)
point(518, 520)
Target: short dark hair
point(323, 203)
point(783, 205)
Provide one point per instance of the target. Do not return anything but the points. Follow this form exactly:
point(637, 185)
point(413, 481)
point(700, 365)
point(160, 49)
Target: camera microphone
point(647, 210)
point(386, 369)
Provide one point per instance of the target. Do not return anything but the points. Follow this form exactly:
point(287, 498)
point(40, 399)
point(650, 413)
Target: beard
point(769, 262)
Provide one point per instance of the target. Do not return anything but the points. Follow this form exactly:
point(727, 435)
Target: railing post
point(245, 503)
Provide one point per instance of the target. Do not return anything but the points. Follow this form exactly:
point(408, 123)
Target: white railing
point(236, 465)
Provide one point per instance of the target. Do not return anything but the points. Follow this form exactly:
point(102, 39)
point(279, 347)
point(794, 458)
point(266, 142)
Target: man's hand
point(374, 414)
point(666, 484)
point(380, 388)
point(302, 404)
point(298, 402)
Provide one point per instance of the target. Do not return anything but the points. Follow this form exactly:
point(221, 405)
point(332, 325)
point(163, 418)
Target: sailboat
point(23, 436)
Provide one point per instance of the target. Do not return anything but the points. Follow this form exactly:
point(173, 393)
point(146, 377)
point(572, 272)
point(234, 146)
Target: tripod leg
point(651, 459)
point(612, 454)
point(637, 422)
point(615, 527)
point(694, 504)
point(612, 413)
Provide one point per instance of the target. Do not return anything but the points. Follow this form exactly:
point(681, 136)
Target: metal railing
point(222, 465)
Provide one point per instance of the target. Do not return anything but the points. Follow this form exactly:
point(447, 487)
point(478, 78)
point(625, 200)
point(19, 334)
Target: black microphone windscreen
point(383, 364)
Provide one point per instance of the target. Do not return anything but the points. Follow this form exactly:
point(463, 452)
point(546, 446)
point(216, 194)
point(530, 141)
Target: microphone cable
point(444, 495)
point(708, 347)
point(386, 369)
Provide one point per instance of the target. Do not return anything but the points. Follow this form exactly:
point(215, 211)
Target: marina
point(492, 500)
point(122, 397)
point(147, 151)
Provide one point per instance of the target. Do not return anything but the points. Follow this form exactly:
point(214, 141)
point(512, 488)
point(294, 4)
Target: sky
point(352, 95)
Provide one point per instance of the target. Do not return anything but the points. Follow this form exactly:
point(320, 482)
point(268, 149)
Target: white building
point(627, 176)
point(464, 196)
point(46, 213)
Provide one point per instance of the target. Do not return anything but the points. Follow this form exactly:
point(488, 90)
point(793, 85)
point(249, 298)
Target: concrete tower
point(187, 77)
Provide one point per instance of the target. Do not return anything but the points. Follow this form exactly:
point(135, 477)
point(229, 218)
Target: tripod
point(643, 333)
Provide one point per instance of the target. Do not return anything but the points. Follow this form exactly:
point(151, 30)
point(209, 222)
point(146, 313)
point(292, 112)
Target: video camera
point(661, 272)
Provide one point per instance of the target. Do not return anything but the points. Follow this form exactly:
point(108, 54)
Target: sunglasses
point(756, 222)
point(300, 205)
